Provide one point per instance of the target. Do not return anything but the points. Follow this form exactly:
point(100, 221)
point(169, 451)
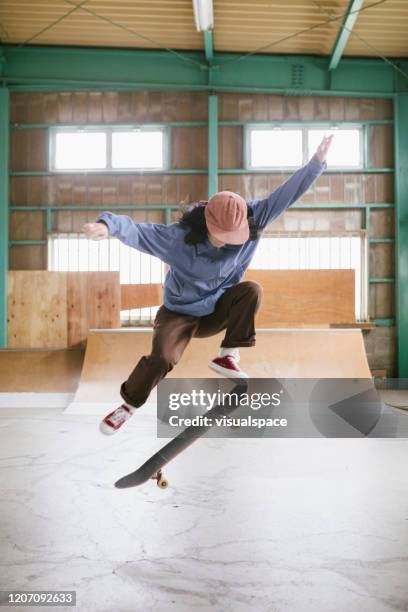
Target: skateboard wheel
point(162, 483)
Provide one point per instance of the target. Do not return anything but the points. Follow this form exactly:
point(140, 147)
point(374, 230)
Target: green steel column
point(401, 228)
point(212, 145)
point(209, 46)
point(343, 35)
point(4, 212)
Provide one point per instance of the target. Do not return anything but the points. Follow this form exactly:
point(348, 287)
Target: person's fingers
point(94, 231)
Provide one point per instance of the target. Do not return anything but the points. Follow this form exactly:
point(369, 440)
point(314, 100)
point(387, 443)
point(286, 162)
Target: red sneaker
point(114, 420)
point(227, 366)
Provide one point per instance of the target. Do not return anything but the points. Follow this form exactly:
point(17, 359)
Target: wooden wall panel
point(382, 260)
point(230, 147)
point(93, 301)
point(382, 223)
point(341, 188)
point(189, 148)
point(382, 300)
point(37, 309)
point(305, 296)
point(29, 150)
point(27, 258)
point(265, 107)
point(381, 146)
point(313, 220)
point(96, 190)
point(27, 225)
point(110, 107)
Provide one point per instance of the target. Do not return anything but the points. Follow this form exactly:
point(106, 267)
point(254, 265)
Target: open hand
point(323, 148)
point(95, 231)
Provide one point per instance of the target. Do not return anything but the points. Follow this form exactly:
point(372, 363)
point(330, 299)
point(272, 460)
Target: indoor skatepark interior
point(140, 112)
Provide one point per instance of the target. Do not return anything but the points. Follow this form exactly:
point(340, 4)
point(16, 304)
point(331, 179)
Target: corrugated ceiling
point(272, 26)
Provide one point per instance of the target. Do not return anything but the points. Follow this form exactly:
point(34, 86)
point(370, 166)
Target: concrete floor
point(246, 525)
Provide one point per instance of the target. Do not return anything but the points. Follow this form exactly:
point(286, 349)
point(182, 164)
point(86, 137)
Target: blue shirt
point(199, 274)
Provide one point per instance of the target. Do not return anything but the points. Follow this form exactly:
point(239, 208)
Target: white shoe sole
point(225, 372)
point(106, 430)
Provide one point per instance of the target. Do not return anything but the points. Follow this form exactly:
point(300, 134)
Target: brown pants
point(234, 311)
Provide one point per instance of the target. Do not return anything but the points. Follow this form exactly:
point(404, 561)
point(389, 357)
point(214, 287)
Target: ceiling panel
point(274, 26)
point(154, 23)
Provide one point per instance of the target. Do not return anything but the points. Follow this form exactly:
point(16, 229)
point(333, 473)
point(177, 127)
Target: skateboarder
point(207, 252)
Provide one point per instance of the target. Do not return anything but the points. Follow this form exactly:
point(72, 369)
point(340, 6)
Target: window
point(100, 148)
point(142, 149)
point(273, 146)
point(80, 150)
point(345, 150)
point(75, 253)
point(309, 250)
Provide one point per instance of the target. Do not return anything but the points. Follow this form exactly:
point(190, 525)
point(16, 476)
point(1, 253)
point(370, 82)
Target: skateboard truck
point(161, 481)
point(152, 468)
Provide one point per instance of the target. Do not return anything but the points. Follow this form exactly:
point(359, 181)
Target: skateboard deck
point(152, 468)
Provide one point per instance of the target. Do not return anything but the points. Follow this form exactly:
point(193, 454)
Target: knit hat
point(226, 217)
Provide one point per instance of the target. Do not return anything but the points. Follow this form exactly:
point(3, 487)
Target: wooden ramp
point(279, 353)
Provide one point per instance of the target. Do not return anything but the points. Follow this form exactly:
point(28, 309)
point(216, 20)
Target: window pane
point(345, 149)
point(274, 148)
point(137, 149)
point(80, 150)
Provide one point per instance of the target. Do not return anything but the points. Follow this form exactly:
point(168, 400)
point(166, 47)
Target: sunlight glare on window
point(138, 149)
point(274, 148)
point(80, 151)
point(345, 149)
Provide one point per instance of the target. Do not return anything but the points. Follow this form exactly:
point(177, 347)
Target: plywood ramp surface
point(310, 296)
point(40, 371)
point(279, 353)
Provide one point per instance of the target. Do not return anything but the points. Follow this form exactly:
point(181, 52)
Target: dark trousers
point(234, 311)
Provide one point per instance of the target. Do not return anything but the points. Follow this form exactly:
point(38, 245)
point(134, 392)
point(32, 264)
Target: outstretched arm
point(152, 238)
point(268, 209)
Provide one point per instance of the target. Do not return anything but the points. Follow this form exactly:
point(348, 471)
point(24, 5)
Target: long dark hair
point(193, 217)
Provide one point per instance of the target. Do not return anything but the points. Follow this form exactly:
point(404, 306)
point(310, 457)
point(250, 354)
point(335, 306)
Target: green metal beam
point(347, 25)
point(27, 242)
point(212, 145)
point(401, 228)
point(4, 212)
point(292, 170)
point(285, 123)
point(78, 207)
point(209, 46)
point(195, 171)
point(71, 69)
point(384, 322)
point(106, 172)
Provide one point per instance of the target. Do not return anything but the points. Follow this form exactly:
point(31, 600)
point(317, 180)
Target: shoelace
point(119, 415)
point(233, 359)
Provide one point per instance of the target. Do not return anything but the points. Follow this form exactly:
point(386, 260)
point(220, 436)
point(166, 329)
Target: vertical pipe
point(366, 152)
point(4, 209)
point(212, 145)
point(48, 222)
point(401, 228)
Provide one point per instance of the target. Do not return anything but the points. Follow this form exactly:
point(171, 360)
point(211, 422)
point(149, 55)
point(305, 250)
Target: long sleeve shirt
point(199, 274)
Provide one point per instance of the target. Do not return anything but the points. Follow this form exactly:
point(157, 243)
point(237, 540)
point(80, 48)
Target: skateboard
point(152, 468)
